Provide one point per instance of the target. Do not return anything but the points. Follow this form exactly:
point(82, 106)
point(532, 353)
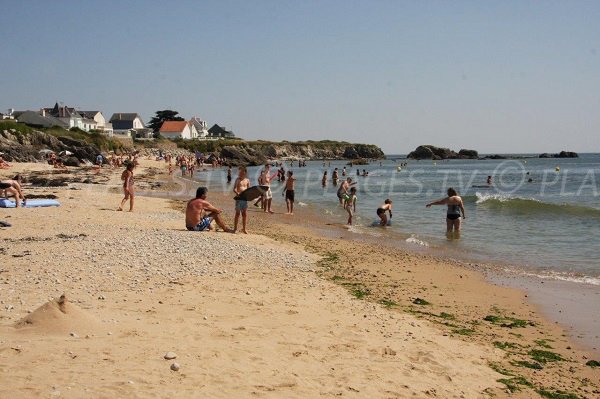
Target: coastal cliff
point(20, 143)
point(258, 152)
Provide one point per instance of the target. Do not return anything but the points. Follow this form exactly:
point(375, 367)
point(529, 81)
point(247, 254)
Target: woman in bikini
point(127, 178)
point(455, 209)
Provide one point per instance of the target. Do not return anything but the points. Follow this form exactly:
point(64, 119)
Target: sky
point(494, 76)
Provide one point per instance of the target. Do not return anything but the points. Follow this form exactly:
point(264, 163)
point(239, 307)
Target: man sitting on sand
point(199, 213)
point(12, 188)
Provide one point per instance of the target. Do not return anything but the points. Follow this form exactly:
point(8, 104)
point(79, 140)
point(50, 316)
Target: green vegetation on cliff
point(23, 131)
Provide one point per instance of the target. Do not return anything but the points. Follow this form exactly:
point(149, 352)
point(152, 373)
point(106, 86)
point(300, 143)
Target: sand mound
point(58, 316)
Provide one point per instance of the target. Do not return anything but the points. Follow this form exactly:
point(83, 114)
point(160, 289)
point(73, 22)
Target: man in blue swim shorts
point(199, 213)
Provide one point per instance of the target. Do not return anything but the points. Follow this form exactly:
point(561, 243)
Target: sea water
point(540, 216)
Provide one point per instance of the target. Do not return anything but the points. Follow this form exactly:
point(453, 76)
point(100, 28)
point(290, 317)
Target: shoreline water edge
point(387, 287)
point(566, 298)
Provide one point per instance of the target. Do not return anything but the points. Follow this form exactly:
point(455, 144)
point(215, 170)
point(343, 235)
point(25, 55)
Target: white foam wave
point(559, 276)
point(414, 240)
point(483, 197)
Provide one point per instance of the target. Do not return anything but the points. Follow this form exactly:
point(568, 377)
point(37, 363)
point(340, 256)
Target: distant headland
point(427, 151)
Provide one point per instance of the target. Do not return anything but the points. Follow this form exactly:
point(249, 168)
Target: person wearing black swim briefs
point(455, 210)
point(385, 207)
point(289, 192)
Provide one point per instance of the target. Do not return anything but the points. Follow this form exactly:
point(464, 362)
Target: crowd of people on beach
point(200, 213)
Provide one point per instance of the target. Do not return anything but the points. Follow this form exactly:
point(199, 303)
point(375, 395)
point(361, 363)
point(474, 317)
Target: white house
point(69, 116)
point(178, 129)
point(201, 127)
point(100, 122)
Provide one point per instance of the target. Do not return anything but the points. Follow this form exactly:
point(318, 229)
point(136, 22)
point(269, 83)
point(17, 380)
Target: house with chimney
point(218, 132)
point(178, 130)
point(69, 116)
point(126, 124)
point(201, 127)
point(97, 120)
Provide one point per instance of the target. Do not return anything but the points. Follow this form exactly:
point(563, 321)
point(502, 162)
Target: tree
point(161, 116)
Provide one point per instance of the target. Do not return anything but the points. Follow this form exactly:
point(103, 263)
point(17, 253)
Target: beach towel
point(34, 203)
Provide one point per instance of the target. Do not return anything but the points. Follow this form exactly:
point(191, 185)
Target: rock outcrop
point(257, 153)
point(25, 147)
point(562, 154)
point(438, 153)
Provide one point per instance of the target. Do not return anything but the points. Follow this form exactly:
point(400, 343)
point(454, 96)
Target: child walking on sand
point(350, 204)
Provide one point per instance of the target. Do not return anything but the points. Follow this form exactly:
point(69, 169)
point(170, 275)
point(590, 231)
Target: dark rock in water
point(437, 153)
point(562, 154)
point(468, 154)
point(495, 156)
point(568, 154)
point(432, 152)
point(422, 152)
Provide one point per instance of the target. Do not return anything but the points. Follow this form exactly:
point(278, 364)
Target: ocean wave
point(559, 276)
point(530, 205)
point(415, 240)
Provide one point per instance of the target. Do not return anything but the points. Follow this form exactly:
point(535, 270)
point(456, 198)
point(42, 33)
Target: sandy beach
point(281, 312)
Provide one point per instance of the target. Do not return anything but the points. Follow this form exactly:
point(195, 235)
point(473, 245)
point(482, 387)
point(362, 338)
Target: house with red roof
point(178, 129)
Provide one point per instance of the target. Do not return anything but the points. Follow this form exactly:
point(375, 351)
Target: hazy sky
point(495, 76)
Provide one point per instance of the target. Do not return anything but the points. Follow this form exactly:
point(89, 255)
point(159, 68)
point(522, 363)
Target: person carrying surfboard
point(241, 206)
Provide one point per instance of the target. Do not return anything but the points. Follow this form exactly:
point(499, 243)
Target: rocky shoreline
point(427, 151)
point(23, 144)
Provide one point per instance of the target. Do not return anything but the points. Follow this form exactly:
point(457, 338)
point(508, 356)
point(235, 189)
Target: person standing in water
point(324, 181)
point(350, 204)
point(383, 208)
point(342, 192)
point(455, 209)
point(289, 192)
point(127, 177)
